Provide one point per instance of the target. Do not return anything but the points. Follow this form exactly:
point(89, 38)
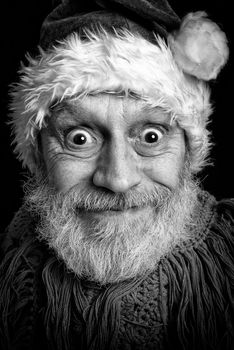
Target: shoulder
point(23, 258)
point(206, 259)
point(22, 254)
point(214, 220)
point(225, 212)
point(222, 226)
point(200, 278)
point(21, 228)
point(215, 241)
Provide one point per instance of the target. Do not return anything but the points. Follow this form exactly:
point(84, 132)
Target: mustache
point(90, 199)
point(39, 194)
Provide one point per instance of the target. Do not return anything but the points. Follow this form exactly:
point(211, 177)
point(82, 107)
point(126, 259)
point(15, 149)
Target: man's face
point(112, 143)
point(117, 195)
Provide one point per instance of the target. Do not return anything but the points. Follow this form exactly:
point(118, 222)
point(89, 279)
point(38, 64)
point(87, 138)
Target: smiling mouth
point(112, 211)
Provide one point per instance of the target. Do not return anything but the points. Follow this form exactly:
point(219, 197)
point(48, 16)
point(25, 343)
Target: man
point(116, 246)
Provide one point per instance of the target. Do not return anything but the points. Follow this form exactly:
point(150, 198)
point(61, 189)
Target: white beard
point(113, 248)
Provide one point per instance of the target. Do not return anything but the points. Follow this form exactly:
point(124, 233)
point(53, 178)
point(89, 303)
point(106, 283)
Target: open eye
point(148, 140)
point(151, 135)
point(78, 138)
point(82, 142)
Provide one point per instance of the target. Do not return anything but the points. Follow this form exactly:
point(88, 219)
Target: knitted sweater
point(186, 303)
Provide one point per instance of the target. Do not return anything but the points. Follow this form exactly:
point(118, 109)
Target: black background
point(20, 26)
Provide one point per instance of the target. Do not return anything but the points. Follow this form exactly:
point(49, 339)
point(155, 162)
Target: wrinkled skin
point(123, 145)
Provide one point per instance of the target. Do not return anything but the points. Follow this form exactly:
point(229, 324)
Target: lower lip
point(109, 213)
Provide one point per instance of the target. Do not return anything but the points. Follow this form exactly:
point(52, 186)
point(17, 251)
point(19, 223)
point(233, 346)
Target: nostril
point(117, 173)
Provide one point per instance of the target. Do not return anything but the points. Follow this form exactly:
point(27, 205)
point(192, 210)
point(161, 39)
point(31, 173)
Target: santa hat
point(140, 47)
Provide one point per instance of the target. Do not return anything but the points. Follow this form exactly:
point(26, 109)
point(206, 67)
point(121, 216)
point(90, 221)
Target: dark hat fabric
point(145, 17)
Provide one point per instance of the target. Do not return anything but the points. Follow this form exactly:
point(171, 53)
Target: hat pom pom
point(199, 47)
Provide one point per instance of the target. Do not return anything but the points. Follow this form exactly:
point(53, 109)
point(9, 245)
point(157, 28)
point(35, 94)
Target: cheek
point(64, 172)
point(166, 169)
point(67, 174)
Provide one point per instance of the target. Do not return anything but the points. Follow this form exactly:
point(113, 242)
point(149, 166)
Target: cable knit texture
point(186, 303)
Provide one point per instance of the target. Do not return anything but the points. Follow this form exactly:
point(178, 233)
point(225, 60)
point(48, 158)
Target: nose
point(117, 169)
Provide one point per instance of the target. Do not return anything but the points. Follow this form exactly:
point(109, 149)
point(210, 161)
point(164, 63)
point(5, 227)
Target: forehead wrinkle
point(67, 112)
point(156, 113)
point(129, 111)
point(142, 114)
point(72, 112)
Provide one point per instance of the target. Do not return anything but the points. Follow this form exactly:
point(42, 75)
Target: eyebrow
point(158, 112)
point(66, 113)
point(77, 113)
